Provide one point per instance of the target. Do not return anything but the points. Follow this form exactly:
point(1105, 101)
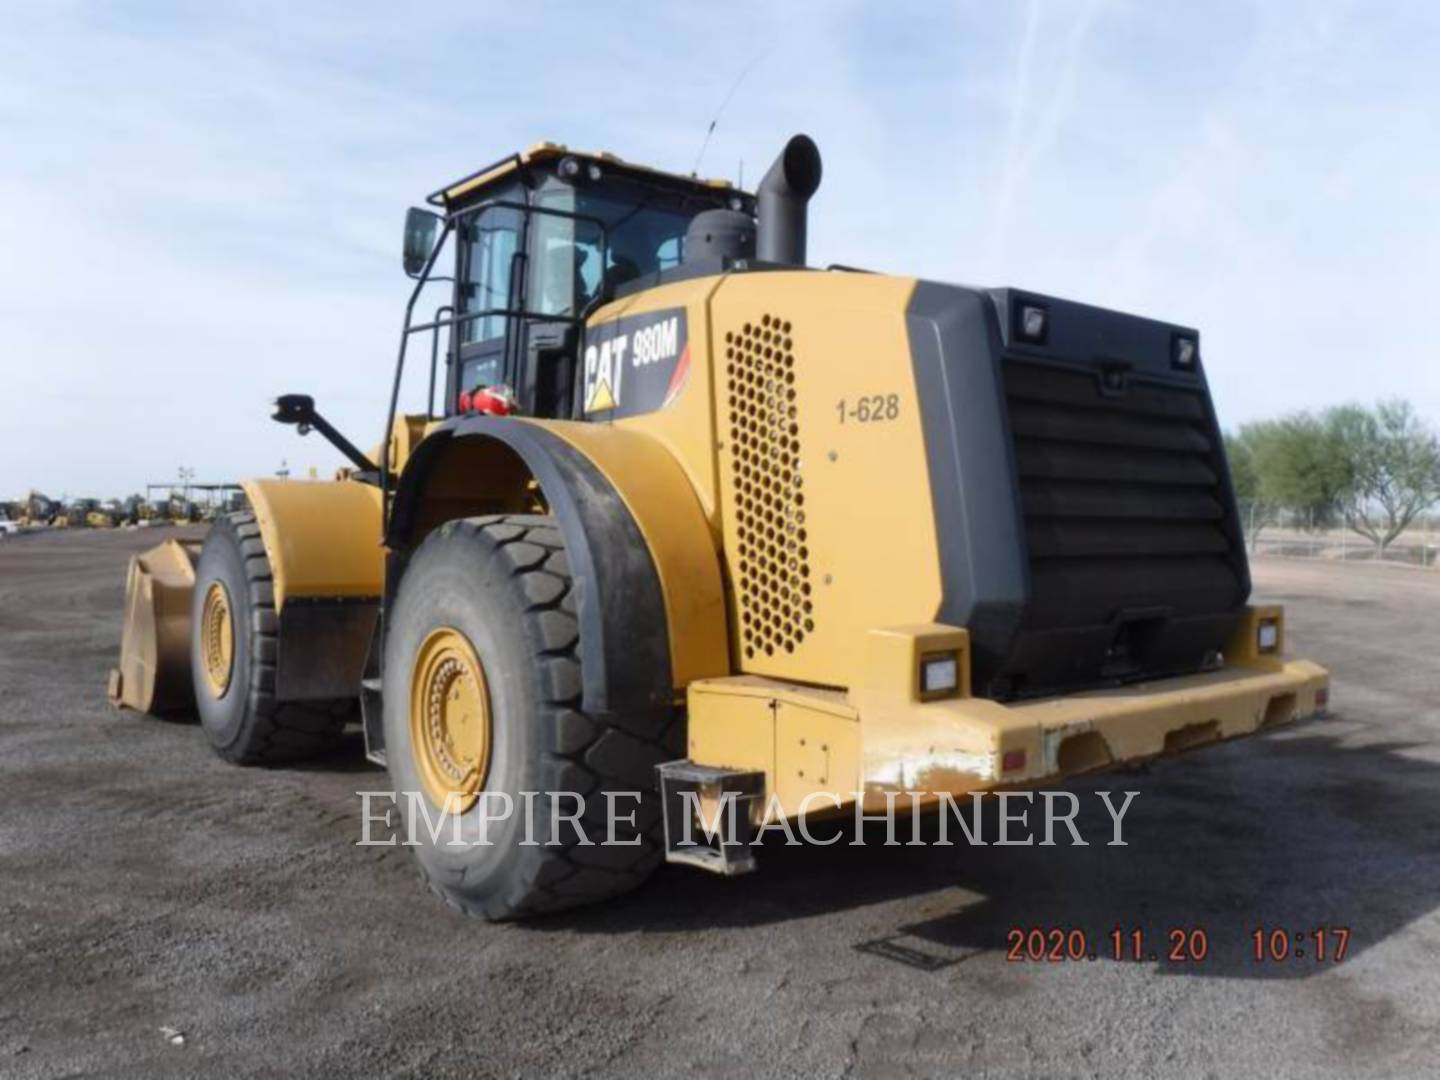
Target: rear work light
point(1033, 323)
point(939, 675)
point(1184, 352)
point(1267, 636)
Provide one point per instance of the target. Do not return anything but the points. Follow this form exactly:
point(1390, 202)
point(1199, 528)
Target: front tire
point(484, 627)
point(233, 648)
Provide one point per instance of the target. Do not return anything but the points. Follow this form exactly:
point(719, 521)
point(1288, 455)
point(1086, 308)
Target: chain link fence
point(1414, 547)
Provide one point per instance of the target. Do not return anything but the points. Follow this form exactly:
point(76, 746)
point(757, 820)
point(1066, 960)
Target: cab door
point(487, 284)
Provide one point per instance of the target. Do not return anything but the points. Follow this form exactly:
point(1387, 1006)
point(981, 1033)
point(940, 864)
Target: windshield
point(644, 227)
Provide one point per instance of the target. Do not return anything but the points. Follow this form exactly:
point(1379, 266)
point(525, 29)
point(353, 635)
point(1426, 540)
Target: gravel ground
point(147, 888)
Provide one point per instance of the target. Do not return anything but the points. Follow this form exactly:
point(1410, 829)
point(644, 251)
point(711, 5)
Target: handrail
point(405, 332)
point(451, 221)
point(435, 357)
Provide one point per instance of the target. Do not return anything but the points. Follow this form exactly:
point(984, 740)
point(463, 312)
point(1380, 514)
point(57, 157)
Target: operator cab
point(542, 239)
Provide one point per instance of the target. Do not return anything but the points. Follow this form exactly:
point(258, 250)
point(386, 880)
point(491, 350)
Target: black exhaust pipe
point(781, 200)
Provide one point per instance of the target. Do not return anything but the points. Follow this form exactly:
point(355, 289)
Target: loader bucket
point(154, 671)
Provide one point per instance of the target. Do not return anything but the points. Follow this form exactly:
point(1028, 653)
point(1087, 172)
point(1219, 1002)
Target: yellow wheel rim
point(217, 639)
point(450, 719)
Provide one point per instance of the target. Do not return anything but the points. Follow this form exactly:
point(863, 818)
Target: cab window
point(493, 237)
point(644, 231)
point(564, 264)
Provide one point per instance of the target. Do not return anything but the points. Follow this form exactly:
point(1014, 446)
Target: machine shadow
point(347, 757)
point(1289, 831)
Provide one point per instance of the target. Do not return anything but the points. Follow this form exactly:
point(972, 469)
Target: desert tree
point(1392, 460)
point(1287, 465)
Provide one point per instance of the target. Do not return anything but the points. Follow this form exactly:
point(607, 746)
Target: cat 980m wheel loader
point(693, 521)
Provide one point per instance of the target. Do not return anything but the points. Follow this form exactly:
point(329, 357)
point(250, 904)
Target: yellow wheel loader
point(693, 522)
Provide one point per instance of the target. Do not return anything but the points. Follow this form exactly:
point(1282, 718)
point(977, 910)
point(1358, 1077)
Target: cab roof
point(542, 152)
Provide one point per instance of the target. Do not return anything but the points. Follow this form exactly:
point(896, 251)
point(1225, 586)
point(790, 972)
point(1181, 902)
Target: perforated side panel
point(771, 566)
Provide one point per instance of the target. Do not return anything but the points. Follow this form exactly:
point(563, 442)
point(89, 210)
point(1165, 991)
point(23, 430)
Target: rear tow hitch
point(710, 815)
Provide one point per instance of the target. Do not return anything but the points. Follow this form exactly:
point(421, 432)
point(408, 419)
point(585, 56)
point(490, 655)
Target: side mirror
point(294, 409)
point(422, 228)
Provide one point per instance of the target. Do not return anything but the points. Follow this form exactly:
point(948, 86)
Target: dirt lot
point(146, 885)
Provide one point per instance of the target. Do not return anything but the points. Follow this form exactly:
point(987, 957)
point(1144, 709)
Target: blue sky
point(200, 207)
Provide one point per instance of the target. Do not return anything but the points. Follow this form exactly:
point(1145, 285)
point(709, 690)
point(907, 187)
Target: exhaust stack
point(781, 201)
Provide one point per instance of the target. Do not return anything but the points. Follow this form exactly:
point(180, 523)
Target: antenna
point(705, 143)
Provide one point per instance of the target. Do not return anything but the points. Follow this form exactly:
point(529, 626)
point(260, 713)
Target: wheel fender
point(648, 590)
point(328, 566)
point(322, 537)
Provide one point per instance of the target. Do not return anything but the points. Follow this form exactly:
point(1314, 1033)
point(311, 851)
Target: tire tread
point(583, 752)
point(273, 732)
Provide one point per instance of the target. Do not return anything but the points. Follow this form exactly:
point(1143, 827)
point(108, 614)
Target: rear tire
point(244, 722)
point(503, 584)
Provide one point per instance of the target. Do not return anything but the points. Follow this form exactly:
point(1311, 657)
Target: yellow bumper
point(821, 749)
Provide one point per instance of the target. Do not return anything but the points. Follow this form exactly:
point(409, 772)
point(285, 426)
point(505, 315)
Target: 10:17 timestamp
point(1277, 944)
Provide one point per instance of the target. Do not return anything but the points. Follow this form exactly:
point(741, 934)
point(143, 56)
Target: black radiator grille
point(1123, 499)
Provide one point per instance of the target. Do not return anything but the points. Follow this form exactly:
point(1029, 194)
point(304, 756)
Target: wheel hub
point(217, 639)
point(450, 719)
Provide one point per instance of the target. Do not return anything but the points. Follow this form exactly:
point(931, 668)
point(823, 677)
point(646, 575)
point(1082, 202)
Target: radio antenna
point(709, 131)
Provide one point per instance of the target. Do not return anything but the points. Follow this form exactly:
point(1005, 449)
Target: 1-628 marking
point(869, 408)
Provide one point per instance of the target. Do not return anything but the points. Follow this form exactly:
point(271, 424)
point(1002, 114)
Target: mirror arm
point(299, 409)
